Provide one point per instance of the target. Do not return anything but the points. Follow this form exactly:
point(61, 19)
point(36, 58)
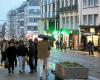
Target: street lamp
point(92, 31)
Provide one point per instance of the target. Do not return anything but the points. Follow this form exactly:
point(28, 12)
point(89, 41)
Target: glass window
point(71, 2)
point(90, 19)
point(95, 2)
point(67, 21)
point(35, 27)
point(45, 2)
point(90, 2)
point(84, 19)
point(34, 2)
point(34, 11)
point(66, 3)
point(31, 19)
point(76, 19)
point(95, 19)
point(31, 28)
point(62, 3)
point(71, 19)
point(21, 23)
point(84, 3)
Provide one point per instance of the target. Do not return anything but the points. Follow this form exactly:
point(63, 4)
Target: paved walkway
point(92, 62)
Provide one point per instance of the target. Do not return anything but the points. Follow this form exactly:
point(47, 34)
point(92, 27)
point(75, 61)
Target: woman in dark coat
point(11, 56)
point(35, 52)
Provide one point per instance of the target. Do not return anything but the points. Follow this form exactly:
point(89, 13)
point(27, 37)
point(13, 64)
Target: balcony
point(69, 8)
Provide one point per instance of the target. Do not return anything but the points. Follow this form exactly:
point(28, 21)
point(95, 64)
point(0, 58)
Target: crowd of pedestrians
point(15, 52)
point(62, 45)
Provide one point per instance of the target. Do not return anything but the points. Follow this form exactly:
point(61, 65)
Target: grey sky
point(6, 5)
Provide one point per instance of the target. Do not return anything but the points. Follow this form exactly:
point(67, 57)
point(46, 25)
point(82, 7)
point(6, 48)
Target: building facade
point(50, 16)
point(12, 22)
point(89, 22)
point(5, 31)
point(23, 20)
point(32, 12)
point(69, 22)
point(20, 21)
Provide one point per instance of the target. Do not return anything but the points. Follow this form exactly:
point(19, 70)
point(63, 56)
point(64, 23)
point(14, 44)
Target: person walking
point(57, 44)
point(64, 45)
point(11, 56)
point(90, 48)
point(3, 46)
point(31, 54)
point(35, 52)
point(43, 54)
point(21, 54)
point(61, 44)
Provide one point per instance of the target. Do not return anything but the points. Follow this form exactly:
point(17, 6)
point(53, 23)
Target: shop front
point(74, 39)
point(90, 33)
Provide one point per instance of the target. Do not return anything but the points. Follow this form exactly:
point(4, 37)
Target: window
point(34, 11)
point(84, 19)
point(66, 3)
point(90, 3)
point(62, 3)
point(21, 23)
point(31, 28)
point(45, 2)
point(35, 28)
point(34, 2)
point(67, 21)
point(63, 22)
point(95, 19)
point(84, 3)
point(76, 19)
point(53, 1)
point(71, 2)
point(31, 19)
point(71, 19)
point(45, 8)
point(95, 2)
point(90, 19)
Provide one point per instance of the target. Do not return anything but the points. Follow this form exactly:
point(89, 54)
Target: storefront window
point(95, 39)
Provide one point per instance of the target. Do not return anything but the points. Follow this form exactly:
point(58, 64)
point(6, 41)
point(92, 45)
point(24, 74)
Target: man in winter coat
point(11, 55)
point(31, 54)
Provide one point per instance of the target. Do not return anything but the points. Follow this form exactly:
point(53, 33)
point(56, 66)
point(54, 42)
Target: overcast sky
point(6, 5)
